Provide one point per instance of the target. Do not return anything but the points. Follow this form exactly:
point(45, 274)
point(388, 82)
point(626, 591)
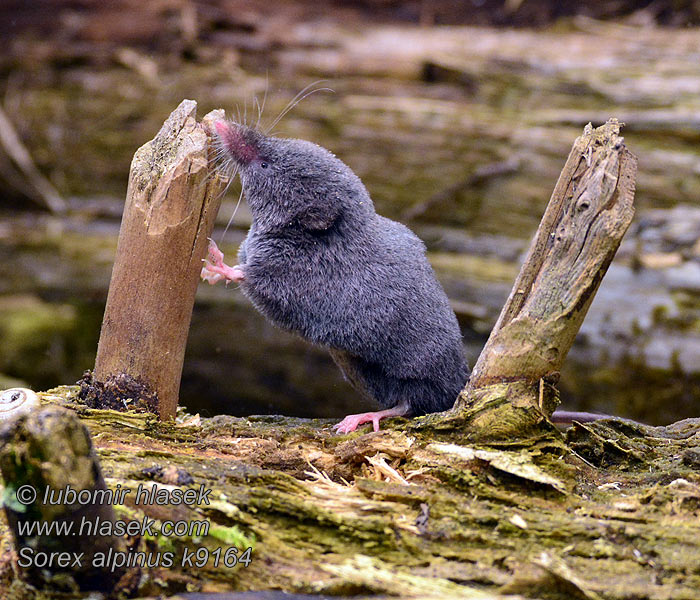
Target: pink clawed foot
point(351, 422)
point(216, 270)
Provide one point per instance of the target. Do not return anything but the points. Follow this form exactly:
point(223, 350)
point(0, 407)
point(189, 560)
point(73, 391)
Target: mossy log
point(408, 511)
point(398, 514)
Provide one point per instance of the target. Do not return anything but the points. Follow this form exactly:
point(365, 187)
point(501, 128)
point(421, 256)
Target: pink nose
point(221, 127)
point(233, 138)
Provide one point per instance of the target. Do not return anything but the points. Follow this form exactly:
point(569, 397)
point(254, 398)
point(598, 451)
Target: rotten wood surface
point(171, 205)
point(400, 514)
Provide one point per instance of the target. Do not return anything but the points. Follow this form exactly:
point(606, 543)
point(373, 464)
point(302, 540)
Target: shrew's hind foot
point(352, 422)
point(216, 270)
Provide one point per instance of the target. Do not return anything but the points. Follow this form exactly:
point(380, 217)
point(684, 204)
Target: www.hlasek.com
point(94, 525)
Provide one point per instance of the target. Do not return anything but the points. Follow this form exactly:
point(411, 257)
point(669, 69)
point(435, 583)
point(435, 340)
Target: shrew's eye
point(264, 165)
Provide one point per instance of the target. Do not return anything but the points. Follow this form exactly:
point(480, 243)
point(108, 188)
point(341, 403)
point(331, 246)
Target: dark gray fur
point(319, 261)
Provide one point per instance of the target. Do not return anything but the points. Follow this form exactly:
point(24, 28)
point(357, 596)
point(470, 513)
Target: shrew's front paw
point(216, 270)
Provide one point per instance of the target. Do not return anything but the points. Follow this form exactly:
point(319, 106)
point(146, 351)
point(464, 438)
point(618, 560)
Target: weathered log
point(457, 520)
point(43, 456)
point(172, 200)
point(589, 211)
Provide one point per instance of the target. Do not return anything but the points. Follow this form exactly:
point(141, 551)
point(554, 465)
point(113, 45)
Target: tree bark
point(171, 204)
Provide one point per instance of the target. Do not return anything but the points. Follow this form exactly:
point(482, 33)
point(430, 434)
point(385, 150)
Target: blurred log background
point(457, 115)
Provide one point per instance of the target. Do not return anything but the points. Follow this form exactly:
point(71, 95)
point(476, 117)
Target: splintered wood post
point(589, 211)
point(172, 201)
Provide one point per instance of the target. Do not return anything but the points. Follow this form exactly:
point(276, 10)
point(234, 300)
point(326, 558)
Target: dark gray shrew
point(319, 261)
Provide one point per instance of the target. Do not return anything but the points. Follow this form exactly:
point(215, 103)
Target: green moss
point(232, 536)
point(456, 525)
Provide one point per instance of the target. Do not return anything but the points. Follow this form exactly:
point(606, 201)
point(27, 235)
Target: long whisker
point(301, 93)
point(228, 185)
point(262, 108)
point(218, 166)
point(222, 163)
point(220, 160)
point(214, 166)
point(298, 98)
point(235, 210)
point(257, 104)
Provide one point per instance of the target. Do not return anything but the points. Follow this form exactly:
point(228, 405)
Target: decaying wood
point(589, 211)
point(172, 200)
point(50, 451)
point(324, 515)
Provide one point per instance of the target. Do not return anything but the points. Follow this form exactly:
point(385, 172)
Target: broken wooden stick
point(172, 200)
point(589, 211)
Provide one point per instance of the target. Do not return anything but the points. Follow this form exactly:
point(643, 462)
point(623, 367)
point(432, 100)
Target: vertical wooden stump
point(512, 385)
point(172, 201)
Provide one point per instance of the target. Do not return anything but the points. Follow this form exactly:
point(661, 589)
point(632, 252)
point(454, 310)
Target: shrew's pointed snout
point(237, 140)
point(221, 128)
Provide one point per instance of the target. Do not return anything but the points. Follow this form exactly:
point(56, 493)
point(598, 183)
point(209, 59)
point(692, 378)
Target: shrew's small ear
point(319, 216)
